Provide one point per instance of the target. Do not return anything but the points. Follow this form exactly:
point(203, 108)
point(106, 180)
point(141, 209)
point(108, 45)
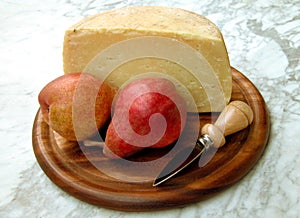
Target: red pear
point(92, 98)
point(147, 112)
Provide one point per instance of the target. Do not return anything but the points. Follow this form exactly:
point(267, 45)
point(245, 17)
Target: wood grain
point(75, 168)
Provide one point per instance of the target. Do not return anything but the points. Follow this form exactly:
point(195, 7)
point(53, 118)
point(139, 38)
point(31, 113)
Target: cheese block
point(122, 44)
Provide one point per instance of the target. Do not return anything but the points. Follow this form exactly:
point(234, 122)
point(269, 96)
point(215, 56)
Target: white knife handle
point(236, 116)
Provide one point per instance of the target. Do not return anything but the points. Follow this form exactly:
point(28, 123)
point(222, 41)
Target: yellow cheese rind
point(93, 35)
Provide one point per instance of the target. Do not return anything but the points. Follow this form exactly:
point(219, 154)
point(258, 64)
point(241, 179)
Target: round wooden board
point(67, 165)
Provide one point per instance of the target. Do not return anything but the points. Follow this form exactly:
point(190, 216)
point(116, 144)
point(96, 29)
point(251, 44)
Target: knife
point(236, 116)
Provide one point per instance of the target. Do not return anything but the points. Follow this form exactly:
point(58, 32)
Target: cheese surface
point(188, 33)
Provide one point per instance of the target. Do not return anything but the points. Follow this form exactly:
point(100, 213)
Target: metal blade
point(168, 172)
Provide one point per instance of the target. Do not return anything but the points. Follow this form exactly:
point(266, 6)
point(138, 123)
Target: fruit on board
point(76, 105)
point(147, 112)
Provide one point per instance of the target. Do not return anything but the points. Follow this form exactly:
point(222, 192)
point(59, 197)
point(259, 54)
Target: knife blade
point(236, 116)
point(202, 144)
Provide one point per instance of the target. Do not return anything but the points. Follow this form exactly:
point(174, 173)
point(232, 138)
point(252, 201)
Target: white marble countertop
point(263, 41)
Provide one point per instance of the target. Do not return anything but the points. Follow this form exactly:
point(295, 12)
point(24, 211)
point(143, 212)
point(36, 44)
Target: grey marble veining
point(263, 42)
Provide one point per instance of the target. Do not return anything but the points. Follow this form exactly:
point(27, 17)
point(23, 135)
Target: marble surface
point(263, 41)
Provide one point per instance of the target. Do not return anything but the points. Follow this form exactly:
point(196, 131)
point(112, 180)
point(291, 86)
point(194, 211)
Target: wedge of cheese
point(123, 44)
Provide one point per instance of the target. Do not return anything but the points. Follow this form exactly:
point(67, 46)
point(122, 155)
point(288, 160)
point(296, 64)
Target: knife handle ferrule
point(205, 141)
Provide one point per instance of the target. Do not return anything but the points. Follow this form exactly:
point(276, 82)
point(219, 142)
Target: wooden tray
point(67, 165)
